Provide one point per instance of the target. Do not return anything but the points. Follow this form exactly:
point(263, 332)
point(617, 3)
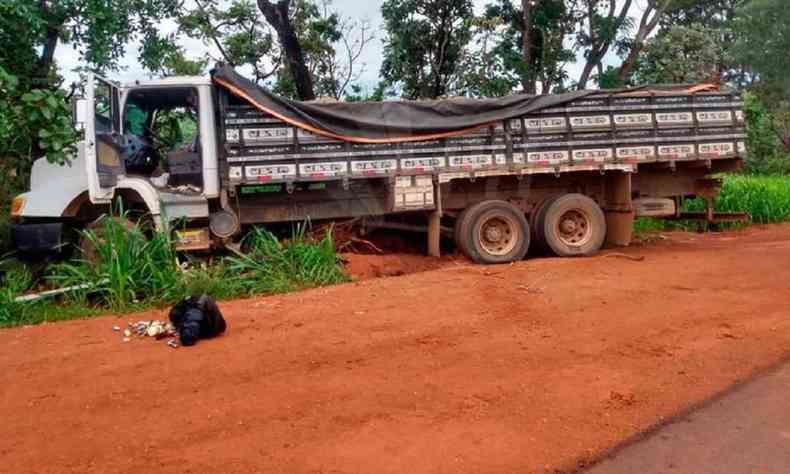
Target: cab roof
point(174, 81)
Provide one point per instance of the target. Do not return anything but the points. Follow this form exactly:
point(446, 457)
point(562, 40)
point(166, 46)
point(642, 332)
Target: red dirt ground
point(535, 367)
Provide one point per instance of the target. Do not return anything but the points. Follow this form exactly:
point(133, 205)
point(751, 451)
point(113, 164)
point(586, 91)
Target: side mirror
point(79, 112)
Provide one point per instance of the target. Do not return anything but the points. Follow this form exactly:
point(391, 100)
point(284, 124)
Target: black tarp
point(396, 121)
point(406, 121)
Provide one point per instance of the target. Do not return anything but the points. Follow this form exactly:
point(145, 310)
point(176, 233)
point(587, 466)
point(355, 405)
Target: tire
point(87, 247)
point(573, 225)
point(536, 220)
point(493, 232)
point(459, 242)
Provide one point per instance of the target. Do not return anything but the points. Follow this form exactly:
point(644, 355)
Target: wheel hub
point(575, 228)
point(498, 235)
point(568, 226)
point(493, 234)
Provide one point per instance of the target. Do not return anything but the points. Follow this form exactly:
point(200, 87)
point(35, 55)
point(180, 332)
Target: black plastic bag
point(197, 317)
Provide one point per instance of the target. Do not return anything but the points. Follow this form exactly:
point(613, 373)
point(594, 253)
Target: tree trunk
point(277, 16)
point(47, 58)
point(646, 26)
point(600, 46)
point(527, 48)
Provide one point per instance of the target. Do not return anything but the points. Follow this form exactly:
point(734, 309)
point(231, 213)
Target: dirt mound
point(365, 267)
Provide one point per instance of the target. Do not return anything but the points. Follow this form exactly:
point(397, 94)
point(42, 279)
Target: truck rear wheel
point(493, 232)
point(573, 225)
point(536, 219)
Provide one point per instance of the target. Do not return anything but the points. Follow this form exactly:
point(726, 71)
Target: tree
point(763, 39)
point(330, 45)
point(490, 67)
point(651, 15)
point(99, 29)
point(600, 25)
point(715, 16)
point(424, 45)
point(279, 17)
point(237, 31)
point(683, 54)
point(30, 33)
point(334, 48)
point(163, 56)
point(532, 41)
point(32, 123)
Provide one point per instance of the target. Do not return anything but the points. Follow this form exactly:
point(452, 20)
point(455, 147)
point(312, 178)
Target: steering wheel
point(140, 155)
point(157, 142)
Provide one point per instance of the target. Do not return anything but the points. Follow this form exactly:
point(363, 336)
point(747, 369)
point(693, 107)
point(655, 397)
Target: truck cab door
point(103, 160)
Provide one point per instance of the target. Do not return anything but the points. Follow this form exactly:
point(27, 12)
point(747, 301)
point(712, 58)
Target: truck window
point(103, 104)
point(163, 124)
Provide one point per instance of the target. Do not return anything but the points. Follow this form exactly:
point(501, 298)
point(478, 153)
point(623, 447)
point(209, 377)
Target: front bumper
point(38, 238)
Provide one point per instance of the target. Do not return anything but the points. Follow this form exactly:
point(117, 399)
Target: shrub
point(271, 266)
point(129, 269)
point(125, 268)
point(17, 280)
point(766, 198)
point(767, 155)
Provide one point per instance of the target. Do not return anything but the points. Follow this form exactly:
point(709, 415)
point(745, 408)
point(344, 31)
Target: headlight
point(17, 205)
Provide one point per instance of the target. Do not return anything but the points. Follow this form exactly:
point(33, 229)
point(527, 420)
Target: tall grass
point(125, 267)
point(130, 268)
point(16, 280)
point(766, 198)
point(272, 266)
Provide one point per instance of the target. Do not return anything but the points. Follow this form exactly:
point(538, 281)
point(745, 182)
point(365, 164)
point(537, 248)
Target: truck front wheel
point(573, 225)
point(94, 237)
point(493, 232)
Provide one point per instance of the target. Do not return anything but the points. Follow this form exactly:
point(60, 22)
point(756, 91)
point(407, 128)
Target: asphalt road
point(746, 431)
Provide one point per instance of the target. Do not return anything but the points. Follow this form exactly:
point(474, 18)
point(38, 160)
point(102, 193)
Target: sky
point(68, 58)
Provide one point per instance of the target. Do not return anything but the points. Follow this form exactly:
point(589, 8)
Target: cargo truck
point(567, 173)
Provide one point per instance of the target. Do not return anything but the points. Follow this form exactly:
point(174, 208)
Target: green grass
point(19, 279)
point(271, 266)
point(765, 198)
point(134, 269)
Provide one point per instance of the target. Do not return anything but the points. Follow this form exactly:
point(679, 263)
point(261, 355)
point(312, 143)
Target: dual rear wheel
point(492, 232)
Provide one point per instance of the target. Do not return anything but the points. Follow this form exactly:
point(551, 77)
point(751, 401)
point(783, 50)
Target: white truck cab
point(151, 143)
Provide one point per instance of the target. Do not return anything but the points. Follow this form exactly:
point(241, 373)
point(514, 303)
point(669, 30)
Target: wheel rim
point(574, 228)
point(498, 235)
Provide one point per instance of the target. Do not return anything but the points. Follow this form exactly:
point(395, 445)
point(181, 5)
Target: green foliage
point(18, 279)
point(21, 30)
point(331, 45)
point(272, 266)
point(34, 123)
point(164, 56)
point(681, 55)
point(499, 35)
point(132, 268)
point(766, 198)
point(425, 43)
point(127, 267)
point(99, 29)
point(359, 93)
point(763, 40)
point(766, 153)
point(236, 29)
